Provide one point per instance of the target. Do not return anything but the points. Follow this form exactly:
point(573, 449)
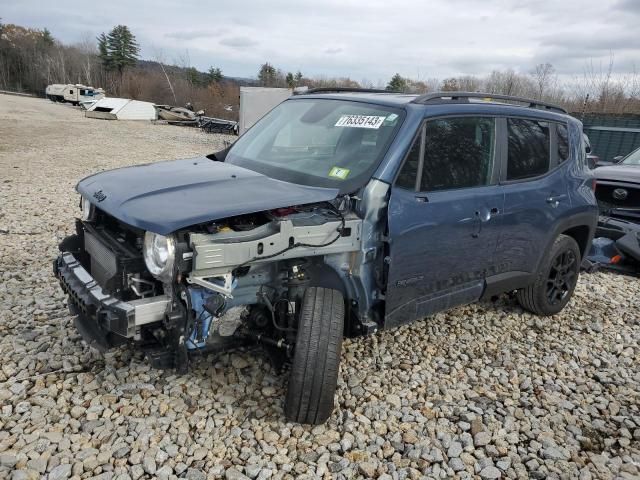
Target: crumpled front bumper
point(104, 320)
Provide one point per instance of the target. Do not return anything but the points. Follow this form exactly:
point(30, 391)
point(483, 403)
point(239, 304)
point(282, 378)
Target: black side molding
point(505, 282)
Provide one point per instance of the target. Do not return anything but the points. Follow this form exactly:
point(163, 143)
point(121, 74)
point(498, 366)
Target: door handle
point(421, 199)
point(478, 222)
point(554, 200)
point(482, 216)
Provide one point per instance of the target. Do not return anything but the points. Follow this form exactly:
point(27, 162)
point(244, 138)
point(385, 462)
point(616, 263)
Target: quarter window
point(529, 148)
point(459, 153)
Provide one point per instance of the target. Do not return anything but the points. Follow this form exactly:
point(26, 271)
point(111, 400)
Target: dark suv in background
point(618, 188)
point(339, 213)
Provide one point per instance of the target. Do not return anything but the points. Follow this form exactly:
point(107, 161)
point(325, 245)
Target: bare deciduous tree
point(543, 75)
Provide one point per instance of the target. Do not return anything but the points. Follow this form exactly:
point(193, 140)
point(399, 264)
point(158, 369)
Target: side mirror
point(617, 158)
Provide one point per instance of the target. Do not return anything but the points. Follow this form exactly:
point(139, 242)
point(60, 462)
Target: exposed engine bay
point(232, 280)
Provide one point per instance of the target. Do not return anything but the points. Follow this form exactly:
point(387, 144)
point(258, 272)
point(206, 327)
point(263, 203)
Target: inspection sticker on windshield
point(360, 121)
point(338, 172)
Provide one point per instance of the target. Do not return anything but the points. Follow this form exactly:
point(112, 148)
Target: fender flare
point(582, 219)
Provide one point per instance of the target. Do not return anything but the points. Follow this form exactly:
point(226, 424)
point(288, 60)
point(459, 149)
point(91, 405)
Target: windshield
point(633, 158)
point(320, 142)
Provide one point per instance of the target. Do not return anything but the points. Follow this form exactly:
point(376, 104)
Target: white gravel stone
point(60, 472)
point(490, 473)
point(454, 450)
point(481, 439)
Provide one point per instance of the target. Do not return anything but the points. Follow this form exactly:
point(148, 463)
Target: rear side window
point(563, 143)
point(459, 153)
point(529, 148)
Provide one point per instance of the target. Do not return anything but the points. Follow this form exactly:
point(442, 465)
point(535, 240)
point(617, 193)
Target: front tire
point(555, 281)
point(316, 361)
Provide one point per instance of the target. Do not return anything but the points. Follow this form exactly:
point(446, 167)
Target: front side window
point(459, 153)
point(529, 148)
point(320, 142)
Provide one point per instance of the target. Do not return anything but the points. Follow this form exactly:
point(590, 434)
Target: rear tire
point(555, 280)
point(316, 361)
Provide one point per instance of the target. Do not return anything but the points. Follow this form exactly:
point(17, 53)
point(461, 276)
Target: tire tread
point(314, 373)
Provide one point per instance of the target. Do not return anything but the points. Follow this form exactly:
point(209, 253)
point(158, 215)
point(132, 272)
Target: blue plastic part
point(602, 250)
point(200, 332)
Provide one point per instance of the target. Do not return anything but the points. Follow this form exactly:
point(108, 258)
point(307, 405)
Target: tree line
point(597, 90)
point(30, 59)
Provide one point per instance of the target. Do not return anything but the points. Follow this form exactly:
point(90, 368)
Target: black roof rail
point(344, 89)
point(464, 97)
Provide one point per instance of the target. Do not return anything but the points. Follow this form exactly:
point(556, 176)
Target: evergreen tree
point(119, 49)
point(291, 82)
point(267, 75)
point(103, 51)
point(47, 38)
point(397, 84)
point(214, 75)
point(193, 76)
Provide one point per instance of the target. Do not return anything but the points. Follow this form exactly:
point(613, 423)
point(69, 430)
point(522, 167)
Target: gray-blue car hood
point(166, 196)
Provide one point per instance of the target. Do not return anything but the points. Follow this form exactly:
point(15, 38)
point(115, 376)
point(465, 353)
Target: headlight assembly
point(87, 209)
point(159, 255)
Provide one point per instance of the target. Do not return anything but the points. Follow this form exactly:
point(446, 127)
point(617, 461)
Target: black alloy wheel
point(555, 279)
point(562, 276)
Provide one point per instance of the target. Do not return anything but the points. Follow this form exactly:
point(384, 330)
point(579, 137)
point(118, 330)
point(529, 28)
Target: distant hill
point(201, 77)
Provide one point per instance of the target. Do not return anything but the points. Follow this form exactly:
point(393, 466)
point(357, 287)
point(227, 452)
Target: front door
point(445, 213)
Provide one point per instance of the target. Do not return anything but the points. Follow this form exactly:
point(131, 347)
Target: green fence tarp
point(612, 135)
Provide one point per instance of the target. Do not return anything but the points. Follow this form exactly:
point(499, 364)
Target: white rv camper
point(75, 94)
point(55, 92)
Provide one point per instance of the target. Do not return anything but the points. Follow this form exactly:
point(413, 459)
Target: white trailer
point(121, 109)
point(256, 102)
point(55, 92)
point(73, 93)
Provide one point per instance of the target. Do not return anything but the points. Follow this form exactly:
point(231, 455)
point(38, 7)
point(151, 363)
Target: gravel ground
point(483, 391)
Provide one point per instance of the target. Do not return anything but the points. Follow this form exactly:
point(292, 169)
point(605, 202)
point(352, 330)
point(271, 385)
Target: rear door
point(536, 191)
point(445, 213)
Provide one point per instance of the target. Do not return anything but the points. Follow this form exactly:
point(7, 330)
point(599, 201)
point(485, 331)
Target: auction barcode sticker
point(360, 121)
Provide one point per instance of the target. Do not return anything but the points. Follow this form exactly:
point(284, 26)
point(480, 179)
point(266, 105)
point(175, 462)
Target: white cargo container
point(121, 109)
point(256, 102)
point(73, 93)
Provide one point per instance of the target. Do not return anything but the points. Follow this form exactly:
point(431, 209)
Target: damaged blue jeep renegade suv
point(341, 212)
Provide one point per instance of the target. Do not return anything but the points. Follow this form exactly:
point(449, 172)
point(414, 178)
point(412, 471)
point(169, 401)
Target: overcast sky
point(363, 39)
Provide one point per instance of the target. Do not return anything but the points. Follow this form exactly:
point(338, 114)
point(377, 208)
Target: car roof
point(389, 99)
point(454, 100)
